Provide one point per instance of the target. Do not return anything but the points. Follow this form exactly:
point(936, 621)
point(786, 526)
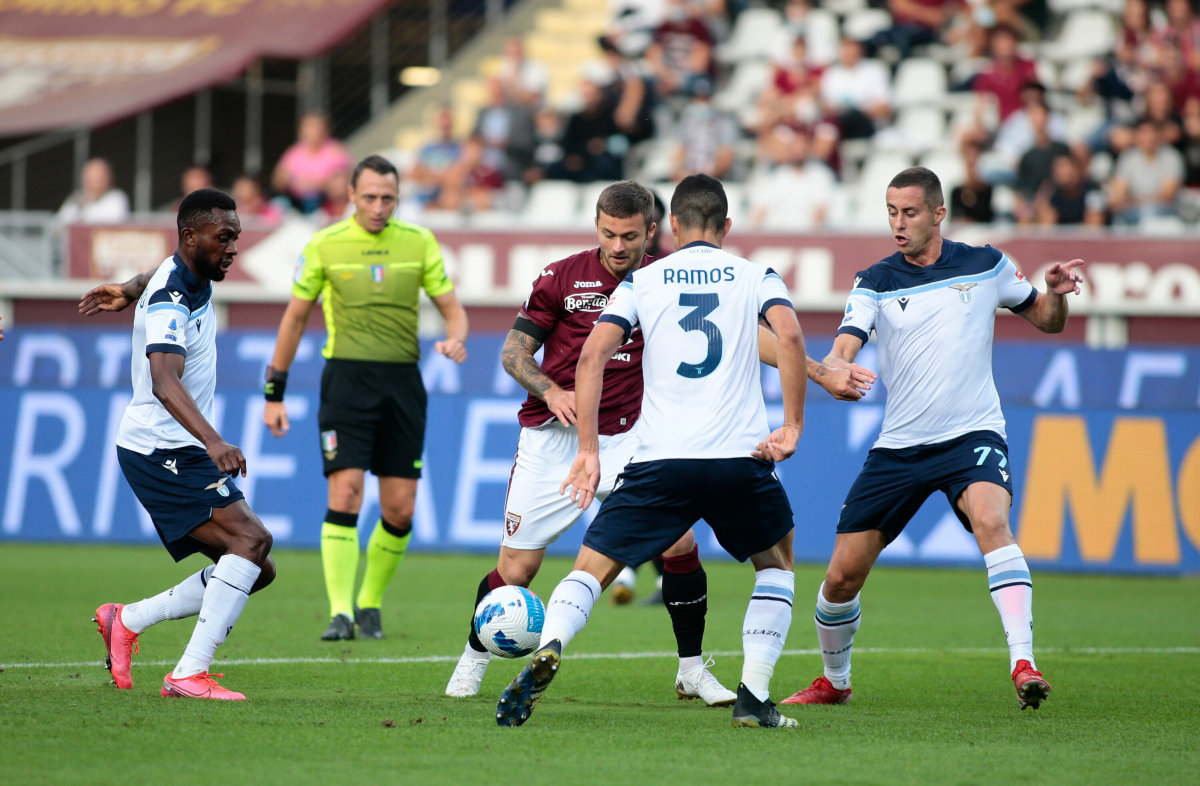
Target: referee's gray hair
point(624, 199)
point(923, 178)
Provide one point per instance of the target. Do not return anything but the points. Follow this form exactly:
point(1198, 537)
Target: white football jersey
point(698, 310)
point(174, 314)
point(934, 325)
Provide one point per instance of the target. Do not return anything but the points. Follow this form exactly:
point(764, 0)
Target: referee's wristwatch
point(276, 384)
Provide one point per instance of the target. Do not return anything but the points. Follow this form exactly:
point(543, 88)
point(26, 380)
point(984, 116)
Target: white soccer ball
point(509, 621)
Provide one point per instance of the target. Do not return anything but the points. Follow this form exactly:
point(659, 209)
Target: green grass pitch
point(932, 699)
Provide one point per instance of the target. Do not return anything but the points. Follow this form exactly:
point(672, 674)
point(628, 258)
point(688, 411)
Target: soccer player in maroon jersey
point(558, 316)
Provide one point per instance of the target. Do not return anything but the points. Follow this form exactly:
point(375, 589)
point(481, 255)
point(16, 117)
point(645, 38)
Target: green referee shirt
point(370, 285)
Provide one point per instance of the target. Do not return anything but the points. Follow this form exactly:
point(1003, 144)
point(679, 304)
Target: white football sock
point(690, 662)
point(1012, 592)
point(836, 625)
point(569, 607)
point(224, 598)
point(182, 600)
point(476, 654)
point(765, 628)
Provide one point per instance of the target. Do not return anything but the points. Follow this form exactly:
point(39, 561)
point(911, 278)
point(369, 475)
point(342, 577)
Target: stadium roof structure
point(74, 63)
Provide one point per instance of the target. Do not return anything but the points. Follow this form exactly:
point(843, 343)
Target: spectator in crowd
point(706, 137)
point(253, 205)
point(1016, 134)
point(436, 172)
point(98, 200)
point(524, 79)
point(337, 204)
point(547, 147)
point(1036, 164)
point(1147, 177)
point(793, 93)
point(856, 92)
point(1072, 198)
point(914, 23)
point(631, 93)
point(971, 200)
point(304, 170)
point(1137, 53)
point(193, 178)
point(681, 52)
point(1006, 72)
point(502, 141)
point(1189, 144)
point(792, 191)
point(592, 145)
point(1180, 31)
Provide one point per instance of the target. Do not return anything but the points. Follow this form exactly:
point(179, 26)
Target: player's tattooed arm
point(517, 358)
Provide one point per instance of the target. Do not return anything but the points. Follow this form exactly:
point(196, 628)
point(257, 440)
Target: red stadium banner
point(90, 62)
point(1126, 274)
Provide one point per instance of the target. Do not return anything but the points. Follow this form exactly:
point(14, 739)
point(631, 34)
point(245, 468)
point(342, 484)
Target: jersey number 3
point(702, 305)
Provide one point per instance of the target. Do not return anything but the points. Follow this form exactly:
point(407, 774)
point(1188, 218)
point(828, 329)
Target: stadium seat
point(870, 191)
point(749, 78)
point(1085, 33)
point(1083, 120)
point(866, 22)
point(1101, 166)
point(821, 36)
point(758, 32)
point(916, 129)
point(551, 203)
point(589, 193)
point(919, 81)
point(736, 194)
point(947, 163)
point(840, 215)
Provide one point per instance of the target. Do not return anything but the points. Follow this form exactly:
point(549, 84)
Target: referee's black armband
point(276, 384)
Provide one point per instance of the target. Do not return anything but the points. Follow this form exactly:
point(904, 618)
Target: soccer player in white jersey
point(179, 467)
point(704, 448)
point(932, 306)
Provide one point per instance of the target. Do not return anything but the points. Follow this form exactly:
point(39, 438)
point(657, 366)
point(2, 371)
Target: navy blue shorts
point(655, 502)
point(894, 483)
point(179, 489)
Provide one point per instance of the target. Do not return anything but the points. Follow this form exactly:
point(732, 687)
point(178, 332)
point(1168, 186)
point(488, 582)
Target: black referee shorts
point(372, 416)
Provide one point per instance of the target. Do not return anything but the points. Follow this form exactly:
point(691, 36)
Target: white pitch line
point(631, 656)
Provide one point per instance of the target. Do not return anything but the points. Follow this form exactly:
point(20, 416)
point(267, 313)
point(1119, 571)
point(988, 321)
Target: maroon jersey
point(566, 301)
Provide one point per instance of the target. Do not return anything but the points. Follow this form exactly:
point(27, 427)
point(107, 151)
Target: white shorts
point(535, 514)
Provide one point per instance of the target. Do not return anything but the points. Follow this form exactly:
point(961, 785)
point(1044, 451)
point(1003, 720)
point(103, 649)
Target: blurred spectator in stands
point(1072, 198)
point(503, 136)
point(790, 190)
point(706, 137)
point(97, 201)
point(435, 171)
point(1036, 164)
point(1147, 177)
point(593, 147)
point(1016, 135)
point(856, 92)
point(630, 90)
point(633, 23)
point(252, 203)
point(973, 28)
point(1189, 144)
point(681, 52)
point(1137, 53)
point(194, 178)
point(793, 93)
point(971, 200)
point(547, 148)
point(1157, 105)
point(524, 79)
point(914, 23)
point(1180, 31)
point(337, 204)
point(1006, 72)
point(306, 167)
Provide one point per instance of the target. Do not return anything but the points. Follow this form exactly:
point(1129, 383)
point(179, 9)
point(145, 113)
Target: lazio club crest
point(964, 291)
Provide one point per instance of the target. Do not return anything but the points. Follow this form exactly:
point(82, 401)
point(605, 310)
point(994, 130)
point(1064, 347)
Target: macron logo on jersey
point(176, 297)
